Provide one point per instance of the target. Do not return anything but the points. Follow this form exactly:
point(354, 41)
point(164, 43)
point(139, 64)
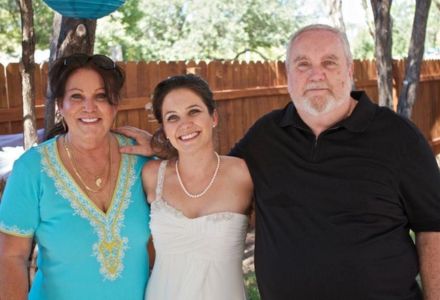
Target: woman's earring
point(64, 124)
point(60, 118)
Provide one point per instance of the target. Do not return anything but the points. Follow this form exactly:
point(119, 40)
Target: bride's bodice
point(196, 258)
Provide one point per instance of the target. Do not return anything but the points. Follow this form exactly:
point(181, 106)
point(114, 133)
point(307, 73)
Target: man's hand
point(141, 137)
point(428, 248)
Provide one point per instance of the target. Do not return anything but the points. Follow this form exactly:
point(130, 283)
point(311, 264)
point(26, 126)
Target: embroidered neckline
point(78, 188)
point(110, 247)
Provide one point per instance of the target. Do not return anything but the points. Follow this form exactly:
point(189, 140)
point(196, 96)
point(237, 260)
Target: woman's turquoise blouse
point(84, 253)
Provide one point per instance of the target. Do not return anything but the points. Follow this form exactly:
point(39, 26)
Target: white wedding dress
point(196, 259)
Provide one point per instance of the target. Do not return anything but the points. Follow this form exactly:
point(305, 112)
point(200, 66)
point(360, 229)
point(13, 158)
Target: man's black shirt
point(333, 213)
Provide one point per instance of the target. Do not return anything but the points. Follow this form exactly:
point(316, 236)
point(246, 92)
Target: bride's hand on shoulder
point(141, 137)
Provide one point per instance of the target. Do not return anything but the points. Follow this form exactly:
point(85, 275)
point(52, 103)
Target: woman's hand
point(141, 137)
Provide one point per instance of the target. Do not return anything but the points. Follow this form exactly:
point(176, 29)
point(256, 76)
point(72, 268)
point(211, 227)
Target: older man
point(339, 183)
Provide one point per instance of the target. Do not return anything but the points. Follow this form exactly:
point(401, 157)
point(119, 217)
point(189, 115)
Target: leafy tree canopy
point(402, 14)
point(199, 29)
point(214, 29)
point(10, 26)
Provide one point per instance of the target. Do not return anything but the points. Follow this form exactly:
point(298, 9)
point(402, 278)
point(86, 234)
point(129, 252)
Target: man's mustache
point(316, 86)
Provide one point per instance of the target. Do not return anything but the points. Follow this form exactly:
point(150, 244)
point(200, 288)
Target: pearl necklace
point(207, 187)
point(98, 180)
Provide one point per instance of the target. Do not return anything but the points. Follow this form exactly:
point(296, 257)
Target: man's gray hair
point(312, 27)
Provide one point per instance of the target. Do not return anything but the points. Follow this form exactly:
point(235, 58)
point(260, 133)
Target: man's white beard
point(318, 105)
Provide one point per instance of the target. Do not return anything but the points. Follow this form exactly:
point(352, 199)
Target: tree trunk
point(368, 22)
point(69, 36)
point(408, 94)
point(27, 66)
point(335, 13)
point(383, 50)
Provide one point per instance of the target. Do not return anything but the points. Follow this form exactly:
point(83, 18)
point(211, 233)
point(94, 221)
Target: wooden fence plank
point(132, 79)
point(13, 87)
point(3, 94)
point(39, 96)
point(13, 82)
point(252, 79)
point(44, 70)
point(143, 91)
point(5, 127)
point(203, 69)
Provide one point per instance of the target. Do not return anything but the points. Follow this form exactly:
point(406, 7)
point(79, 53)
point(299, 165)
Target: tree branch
point(250, 50)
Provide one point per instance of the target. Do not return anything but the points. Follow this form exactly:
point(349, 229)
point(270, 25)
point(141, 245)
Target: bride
point(199, 200)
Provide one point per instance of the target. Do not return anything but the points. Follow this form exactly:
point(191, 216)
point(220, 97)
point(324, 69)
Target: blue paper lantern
point(93, 9)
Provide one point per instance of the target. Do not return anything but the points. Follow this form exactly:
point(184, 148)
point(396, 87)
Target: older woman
point(78, 197)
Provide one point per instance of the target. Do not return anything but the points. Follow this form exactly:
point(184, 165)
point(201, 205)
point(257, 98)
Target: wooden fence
point(244, 91)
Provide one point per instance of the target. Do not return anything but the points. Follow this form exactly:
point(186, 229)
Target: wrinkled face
point(186, 120)
point(319, 75)
point(85, 106)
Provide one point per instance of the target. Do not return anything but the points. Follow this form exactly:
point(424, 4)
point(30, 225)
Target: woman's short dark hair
point(61, 70)
point(159, 143)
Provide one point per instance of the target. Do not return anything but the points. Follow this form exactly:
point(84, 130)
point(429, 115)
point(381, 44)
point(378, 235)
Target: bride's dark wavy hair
point(159, 142)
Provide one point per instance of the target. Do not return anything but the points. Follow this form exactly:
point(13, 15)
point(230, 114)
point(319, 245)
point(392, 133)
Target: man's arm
point(14, 254)
point(428, 247)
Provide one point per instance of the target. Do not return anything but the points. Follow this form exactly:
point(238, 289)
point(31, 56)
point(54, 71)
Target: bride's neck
point(197, 163)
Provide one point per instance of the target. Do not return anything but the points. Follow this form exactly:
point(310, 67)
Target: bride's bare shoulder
point(236, 167)
point(149, 174)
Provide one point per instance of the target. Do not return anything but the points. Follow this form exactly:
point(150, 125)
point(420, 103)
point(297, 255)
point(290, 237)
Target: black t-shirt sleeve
point(419, 184)
point(238, 149)
point(244, 146)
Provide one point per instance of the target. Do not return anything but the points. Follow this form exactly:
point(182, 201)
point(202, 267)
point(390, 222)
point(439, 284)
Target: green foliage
point(432, 32)
point(120, 31)
point(199, 29)
point(268, 25)
point(402, 13)
point(363, 45)
point(403, 17)
point(43, 18)
point(202, 29)
point(10, 26)
point(250, 282)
